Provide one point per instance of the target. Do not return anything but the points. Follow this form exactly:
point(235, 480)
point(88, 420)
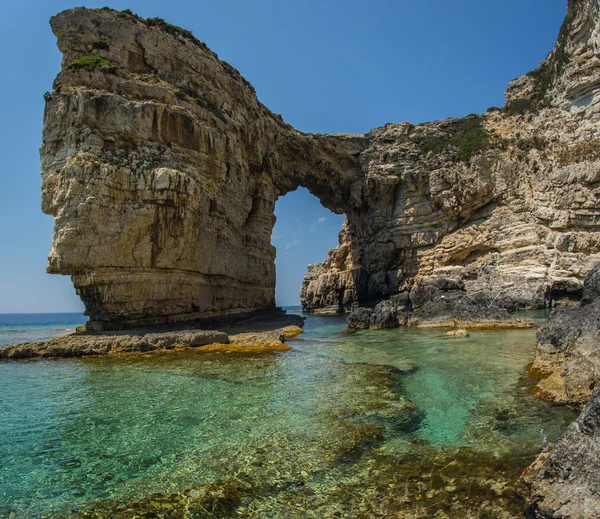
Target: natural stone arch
point(162, 168)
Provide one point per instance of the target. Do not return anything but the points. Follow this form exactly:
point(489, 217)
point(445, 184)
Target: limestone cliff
point(162, 169)
point(507, 203)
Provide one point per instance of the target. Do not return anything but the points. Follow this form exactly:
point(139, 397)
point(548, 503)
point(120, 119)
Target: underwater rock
point(461, 332)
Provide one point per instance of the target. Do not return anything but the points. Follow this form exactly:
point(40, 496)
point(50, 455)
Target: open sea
point(17, 328)
point(365, 425)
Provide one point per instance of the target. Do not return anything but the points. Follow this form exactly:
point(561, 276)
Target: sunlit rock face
point(507, 203)
point(162, 169)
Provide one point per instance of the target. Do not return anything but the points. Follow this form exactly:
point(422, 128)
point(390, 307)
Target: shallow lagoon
point(378, 423)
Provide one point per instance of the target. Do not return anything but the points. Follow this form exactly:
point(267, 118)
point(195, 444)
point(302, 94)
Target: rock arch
point(162, 169)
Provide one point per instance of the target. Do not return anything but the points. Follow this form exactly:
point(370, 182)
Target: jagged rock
point(563, 483)
point(385, 315)
point(568, 352)
point(591, 286)
point(360, 319)
point(434, 302)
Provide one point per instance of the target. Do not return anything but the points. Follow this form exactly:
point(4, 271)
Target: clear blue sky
point(325, 65)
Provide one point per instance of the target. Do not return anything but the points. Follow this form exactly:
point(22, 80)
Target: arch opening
point(303, 234)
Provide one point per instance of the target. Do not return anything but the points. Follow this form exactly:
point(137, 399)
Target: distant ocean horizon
point(16, 328)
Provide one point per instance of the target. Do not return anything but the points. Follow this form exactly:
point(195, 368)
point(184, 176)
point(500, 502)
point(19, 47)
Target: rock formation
point(162, 169)
point(568, 352)
point(565, 481)
point(506, 204)
point(260, 334)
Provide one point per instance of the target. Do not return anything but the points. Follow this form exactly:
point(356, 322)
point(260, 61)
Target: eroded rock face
point(507, 202)
point(568, 352)
point(162, 169)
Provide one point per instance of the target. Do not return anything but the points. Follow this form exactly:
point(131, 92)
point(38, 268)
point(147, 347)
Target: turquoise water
point(18, 328)
point(276, 435)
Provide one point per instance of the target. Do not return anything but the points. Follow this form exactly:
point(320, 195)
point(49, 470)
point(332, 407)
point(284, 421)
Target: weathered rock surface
point(80, 345)
point(507, 202)
point(564, 483)
point(162, 169)
point(434, 302)
point(568, 352)
point(261, 333)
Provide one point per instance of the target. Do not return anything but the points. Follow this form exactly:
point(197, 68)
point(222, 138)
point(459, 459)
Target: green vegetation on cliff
point(580, 152)
point(466, 139)
point(91, 63)
point(519, 107)
point(174, 30)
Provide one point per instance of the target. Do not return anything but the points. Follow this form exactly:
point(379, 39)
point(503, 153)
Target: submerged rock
point(461, 332)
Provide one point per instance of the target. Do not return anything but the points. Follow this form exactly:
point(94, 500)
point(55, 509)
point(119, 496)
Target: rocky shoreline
point(434, 302)
point(564, 481)
point(568, 353)
point(260, 334)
